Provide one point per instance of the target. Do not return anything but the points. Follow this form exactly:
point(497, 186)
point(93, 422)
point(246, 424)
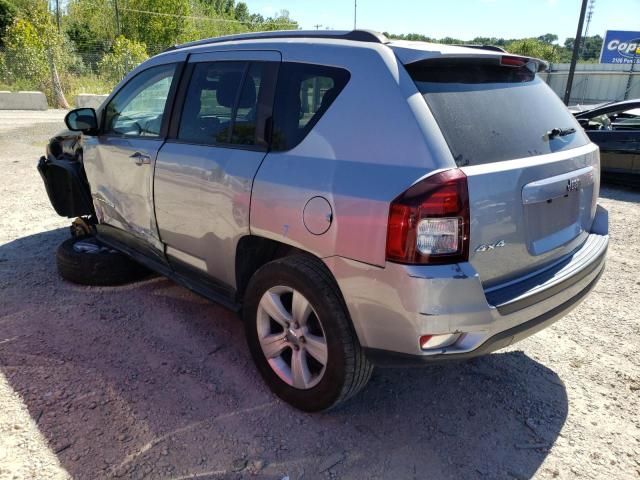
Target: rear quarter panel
point(375, 140)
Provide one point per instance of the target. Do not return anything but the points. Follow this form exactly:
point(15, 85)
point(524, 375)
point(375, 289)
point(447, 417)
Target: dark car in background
point(615, 128)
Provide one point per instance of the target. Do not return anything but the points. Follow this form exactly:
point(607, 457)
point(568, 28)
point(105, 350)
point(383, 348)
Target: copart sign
point(621, 47)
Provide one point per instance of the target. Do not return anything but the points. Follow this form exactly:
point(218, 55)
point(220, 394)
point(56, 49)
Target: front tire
point(300, 335)
point(86, 261)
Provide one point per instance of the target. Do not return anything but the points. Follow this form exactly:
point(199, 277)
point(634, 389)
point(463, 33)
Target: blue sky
point(462, 19)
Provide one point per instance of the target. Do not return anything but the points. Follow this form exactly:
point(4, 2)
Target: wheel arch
point(253, 252)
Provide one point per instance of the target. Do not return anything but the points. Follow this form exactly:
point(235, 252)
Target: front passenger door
point(120, 161)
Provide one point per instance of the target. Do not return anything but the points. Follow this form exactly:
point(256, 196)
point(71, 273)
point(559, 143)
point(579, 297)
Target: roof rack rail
point(493, 48)
point(354, 35)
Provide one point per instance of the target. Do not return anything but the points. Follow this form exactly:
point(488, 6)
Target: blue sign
point(620, 47)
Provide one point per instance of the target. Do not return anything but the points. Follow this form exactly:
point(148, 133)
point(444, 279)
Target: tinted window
point(255, 103)
point(138, 108)
point(304, 94)
point(489, 113)
point(217, 110)
point(209, 102)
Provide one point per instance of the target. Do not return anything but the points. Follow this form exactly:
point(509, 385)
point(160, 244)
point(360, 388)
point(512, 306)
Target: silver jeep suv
point(362, 201)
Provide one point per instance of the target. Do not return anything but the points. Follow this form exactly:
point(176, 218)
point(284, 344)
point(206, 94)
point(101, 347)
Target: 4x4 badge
point(490, 246)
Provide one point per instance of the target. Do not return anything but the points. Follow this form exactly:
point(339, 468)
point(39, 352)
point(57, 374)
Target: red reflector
point(424, 339)
point(513, 61)
point(397, 230)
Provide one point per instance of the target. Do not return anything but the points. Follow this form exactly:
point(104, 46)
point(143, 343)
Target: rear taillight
point(513, 61)
point(429, 223)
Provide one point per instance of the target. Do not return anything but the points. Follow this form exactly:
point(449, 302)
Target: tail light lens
point(513, 61)
point(429, 223)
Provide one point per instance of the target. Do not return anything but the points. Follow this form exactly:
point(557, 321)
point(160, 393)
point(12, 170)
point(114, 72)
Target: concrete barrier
point(23, 101)
point(86, 100)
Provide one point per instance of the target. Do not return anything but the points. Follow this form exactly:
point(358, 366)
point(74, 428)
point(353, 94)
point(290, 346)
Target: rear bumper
point(392, 307)
point(385, 358)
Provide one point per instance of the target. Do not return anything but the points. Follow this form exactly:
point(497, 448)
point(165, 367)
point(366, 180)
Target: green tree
point(242, 12)
point(124, 55)
point(90, 23)
point(256, 18)
point(8, 12)
point(160, 29)
point(589, 51)
point(25, 53)
point(499, 42)
point(89, 46)
point(532, 47)
point(281, 21)
point(35, 55)
point(548, 38)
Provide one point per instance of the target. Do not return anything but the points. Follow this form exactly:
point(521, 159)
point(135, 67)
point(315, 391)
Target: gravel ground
point(151, 381)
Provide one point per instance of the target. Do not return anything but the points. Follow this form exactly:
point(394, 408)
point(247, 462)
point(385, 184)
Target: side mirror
point(82, 120)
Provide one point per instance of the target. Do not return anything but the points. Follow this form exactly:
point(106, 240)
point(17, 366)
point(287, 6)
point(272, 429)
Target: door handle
point(141, 158)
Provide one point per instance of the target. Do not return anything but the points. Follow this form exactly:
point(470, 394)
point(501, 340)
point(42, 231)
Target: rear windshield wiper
point(559, 132)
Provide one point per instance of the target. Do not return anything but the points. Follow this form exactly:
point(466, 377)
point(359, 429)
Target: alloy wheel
point(292, 337)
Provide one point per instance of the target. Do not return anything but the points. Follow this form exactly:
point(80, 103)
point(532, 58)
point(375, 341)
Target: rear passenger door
point(205, 170)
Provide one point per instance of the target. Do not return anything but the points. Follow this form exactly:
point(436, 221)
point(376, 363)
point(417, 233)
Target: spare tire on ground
point(86, 261)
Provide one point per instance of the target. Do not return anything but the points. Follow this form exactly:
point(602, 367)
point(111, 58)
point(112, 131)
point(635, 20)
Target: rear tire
point(86, 261)
point(277, 294)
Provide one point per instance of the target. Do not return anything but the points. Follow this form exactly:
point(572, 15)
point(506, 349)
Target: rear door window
point(304, 93)
point(490, 113)
point(225, 101)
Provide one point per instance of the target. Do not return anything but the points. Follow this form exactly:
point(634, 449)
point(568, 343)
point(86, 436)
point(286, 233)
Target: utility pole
point(355, 13)
point(633, 64)
point(58, 14)
point(117, 18)
point(586, 27)
point(576, 52)
point(317, 25)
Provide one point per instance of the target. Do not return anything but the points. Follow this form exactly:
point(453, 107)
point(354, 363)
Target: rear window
point(491, 113)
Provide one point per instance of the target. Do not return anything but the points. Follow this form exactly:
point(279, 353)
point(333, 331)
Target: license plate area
point(557, 209)
point(552, 224)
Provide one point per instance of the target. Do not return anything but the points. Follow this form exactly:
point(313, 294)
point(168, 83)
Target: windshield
point(490, 113)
